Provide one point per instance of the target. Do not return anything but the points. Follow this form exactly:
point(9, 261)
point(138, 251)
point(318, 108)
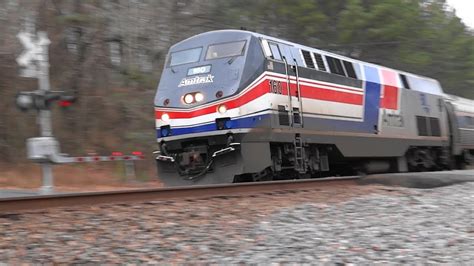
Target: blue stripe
point(372, 98)
point(247, 122)
point(371, 74)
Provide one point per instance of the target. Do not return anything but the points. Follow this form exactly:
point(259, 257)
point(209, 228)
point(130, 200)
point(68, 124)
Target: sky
point(464, 10)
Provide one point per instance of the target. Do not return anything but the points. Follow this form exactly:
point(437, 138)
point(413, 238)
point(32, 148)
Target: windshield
point(225, 50)
point(185, 57)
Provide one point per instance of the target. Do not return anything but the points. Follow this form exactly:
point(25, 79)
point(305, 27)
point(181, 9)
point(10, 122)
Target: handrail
point(288, 89)
point(300, 99)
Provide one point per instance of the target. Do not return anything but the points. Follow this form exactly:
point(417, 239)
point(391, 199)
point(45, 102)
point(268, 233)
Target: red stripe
point(389, 77)
point(390, 98)
point(331, 96)
point(309, 92)
point(390, 90)
point(262, 88)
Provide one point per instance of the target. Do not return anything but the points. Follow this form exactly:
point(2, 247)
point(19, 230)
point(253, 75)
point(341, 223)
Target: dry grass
point(80, 177)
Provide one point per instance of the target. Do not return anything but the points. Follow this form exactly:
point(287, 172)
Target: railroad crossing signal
point(35, 61)
point(36, 50)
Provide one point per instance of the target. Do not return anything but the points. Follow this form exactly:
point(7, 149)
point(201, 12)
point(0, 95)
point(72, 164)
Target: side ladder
point(300, 164)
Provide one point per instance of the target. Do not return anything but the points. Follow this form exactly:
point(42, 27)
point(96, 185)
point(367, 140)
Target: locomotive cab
point(206, 68)
point(198, 121)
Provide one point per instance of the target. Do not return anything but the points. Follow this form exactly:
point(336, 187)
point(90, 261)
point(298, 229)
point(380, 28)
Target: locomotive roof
point(462, 104)
point(278, 40)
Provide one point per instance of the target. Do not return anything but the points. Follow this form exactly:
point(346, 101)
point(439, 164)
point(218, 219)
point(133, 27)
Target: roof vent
point(307, 59)
point(319, 62)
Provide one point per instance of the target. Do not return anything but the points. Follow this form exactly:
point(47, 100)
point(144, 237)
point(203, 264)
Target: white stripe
point(306, 115)
point(333, 110)
point(333, 117)
point(361, 92)
point(190, 122)
point(315, 81)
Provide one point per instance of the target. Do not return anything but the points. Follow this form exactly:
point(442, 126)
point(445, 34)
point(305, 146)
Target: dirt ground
point(79, 177)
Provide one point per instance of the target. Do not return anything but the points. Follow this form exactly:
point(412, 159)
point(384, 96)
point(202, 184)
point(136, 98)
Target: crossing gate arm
point(61, 159)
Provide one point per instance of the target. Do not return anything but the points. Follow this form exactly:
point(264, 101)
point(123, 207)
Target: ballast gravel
point(334, 225)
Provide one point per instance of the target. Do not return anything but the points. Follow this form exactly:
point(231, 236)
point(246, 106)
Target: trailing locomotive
point(235, 106)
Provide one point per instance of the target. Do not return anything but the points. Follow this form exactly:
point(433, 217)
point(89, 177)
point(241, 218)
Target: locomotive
point(239, 106)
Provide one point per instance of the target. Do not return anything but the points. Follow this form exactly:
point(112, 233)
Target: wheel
point(243, 178)
point(265, 175)
point(468, 158)
point(463, 160)
point(420, 160)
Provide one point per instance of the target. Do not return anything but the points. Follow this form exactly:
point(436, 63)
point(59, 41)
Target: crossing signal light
point(41, 100)
point(64, 103)
point(25, 101)
point(66, 100)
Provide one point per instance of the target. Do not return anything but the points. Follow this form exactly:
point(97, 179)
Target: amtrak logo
point(196, 80)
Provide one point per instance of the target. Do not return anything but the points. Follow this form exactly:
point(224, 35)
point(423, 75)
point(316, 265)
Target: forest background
point(110, 54)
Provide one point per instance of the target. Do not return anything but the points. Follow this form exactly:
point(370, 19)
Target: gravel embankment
point(429, 226)
point(361, 225)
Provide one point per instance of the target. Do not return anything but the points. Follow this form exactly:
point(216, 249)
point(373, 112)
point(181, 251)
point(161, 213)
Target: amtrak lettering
point(196, 80)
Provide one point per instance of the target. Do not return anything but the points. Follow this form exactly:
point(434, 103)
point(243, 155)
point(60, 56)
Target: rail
point(15, 204)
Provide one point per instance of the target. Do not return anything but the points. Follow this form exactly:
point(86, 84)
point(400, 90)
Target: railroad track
point(139, 195)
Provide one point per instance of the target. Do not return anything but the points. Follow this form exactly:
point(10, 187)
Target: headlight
point(188, 98)
point(199, 97)
point(165, 117)
point(222, 109)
